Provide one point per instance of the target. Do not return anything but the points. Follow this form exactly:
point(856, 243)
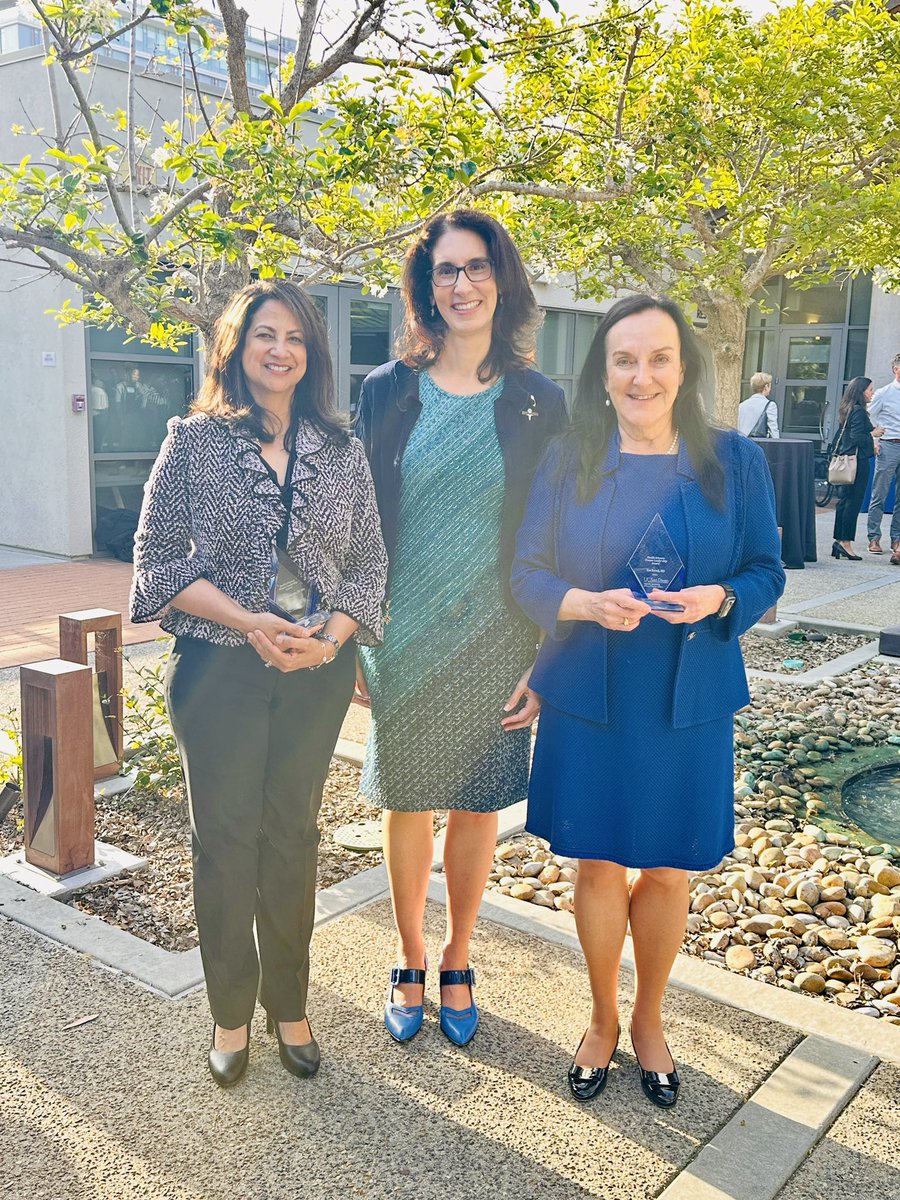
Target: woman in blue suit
point(633, 765)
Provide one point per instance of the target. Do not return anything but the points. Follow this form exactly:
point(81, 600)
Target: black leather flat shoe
point(227, 1066)
point(301, 1061)
point(587, 1082)
point(660, 1087)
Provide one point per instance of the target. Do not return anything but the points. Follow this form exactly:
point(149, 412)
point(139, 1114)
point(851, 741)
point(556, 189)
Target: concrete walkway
point(865, 595)
point(784, 1097)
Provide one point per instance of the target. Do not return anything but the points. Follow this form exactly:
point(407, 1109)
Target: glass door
point(368, 326)
point(808, 380)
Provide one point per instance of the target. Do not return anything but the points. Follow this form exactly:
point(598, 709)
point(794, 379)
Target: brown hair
point(854, 397)
point(225, 393)
point(516, 317)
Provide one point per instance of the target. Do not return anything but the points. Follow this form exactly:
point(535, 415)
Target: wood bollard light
point(57, 766)
point(106, 626)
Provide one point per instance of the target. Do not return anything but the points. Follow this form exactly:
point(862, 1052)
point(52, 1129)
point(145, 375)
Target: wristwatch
point(728, 603)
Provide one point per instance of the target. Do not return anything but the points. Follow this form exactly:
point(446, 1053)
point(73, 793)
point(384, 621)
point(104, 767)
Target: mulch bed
point(768, 654)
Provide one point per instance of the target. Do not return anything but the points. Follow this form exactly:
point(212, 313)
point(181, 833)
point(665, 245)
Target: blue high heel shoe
point(403, 1021)
point(459, 1024)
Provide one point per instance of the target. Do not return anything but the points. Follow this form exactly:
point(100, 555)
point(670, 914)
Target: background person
point(453, 430)
point(262, 464)
point(634, 762)
point(758, 415)
point(855, 436)
point(885, 411)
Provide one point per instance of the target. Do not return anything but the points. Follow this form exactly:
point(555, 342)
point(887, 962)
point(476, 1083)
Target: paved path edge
point(757, 1151)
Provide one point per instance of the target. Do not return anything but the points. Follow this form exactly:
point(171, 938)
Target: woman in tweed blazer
point(260, 486)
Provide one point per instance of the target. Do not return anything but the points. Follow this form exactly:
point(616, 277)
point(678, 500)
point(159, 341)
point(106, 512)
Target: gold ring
point(625, 621)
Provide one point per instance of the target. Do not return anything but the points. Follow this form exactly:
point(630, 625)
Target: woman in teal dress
point(453, 431)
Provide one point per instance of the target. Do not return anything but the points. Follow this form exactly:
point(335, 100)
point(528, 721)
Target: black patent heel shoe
point(587, 1082)
point(301, 1061)
point(660, 1087)
point(227, 1066)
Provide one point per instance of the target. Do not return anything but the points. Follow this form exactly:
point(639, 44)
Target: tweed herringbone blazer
point(212, 511)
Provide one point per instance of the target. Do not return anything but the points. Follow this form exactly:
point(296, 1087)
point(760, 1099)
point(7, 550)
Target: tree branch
point(576, 195)
point(157, 227)
point(84, 107)
point(362, 28)
point(73, 55)
point(197, 92)
point(235, 21)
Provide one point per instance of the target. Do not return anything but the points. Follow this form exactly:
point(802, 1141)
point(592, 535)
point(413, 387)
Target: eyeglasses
point(477, 270)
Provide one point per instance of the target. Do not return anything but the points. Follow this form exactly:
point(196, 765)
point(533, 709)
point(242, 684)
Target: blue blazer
point(558, 548)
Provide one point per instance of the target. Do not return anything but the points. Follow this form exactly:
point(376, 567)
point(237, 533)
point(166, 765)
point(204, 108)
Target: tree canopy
point(704, 156)
point(320, 175)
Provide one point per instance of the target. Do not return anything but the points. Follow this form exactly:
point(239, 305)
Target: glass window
point(585, 328)
point(860, 301)
point(809, 357)
point(555, 343)
point(823, 304)
point(855, 362)
point(759, 355)
point(370, 332)
point(804, 408)
point(131, 402)
point(119, 483)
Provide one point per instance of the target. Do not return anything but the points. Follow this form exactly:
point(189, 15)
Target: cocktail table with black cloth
point(791, 465)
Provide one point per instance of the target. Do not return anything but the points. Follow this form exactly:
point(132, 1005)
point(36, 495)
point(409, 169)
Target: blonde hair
point(759, 381)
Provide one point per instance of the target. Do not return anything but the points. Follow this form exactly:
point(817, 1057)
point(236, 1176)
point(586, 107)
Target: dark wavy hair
point(854, 397)
point(225, 393)
point(516, 318)
point(594, 420)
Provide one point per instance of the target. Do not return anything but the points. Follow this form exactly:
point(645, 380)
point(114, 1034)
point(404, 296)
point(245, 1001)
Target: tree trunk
point(724, 337)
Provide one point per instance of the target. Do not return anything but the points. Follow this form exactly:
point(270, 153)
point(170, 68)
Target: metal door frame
point(833, 388)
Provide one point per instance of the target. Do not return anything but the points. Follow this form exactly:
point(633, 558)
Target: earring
point(433, 310)
point(607, 401)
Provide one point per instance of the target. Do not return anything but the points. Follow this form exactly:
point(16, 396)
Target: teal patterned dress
point(453, 650)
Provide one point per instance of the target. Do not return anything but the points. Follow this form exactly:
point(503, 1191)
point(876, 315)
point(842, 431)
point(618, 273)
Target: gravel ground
point(768, 654)
point(799, 903)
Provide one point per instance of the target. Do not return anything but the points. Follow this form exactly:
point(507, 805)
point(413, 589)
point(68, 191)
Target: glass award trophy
point(656, 563)
point(291, 597)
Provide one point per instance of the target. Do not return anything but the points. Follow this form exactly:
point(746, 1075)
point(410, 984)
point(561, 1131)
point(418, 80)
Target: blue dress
point(636, 791)
point(452, 651)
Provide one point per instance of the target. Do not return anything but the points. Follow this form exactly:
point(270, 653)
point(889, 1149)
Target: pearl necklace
point(674, 446)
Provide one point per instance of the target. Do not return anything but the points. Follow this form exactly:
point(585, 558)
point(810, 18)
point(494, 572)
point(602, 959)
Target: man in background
point(885, 410)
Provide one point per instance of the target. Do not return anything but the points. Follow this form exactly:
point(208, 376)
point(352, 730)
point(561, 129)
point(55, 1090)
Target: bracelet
point(326, 637)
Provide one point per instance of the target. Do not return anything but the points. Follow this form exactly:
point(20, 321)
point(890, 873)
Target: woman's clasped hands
point(286, 645)
point(620, 610)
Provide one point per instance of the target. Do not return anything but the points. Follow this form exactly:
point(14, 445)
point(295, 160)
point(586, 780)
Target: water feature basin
point(871, 800)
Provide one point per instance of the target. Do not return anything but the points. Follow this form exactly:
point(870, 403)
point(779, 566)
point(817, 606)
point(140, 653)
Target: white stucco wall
point(46, 501)
point(884, 336)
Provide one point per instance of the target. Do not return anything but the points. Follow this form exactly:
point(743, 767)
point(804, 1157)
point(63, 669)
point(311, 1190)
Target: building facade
point(84, 410)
